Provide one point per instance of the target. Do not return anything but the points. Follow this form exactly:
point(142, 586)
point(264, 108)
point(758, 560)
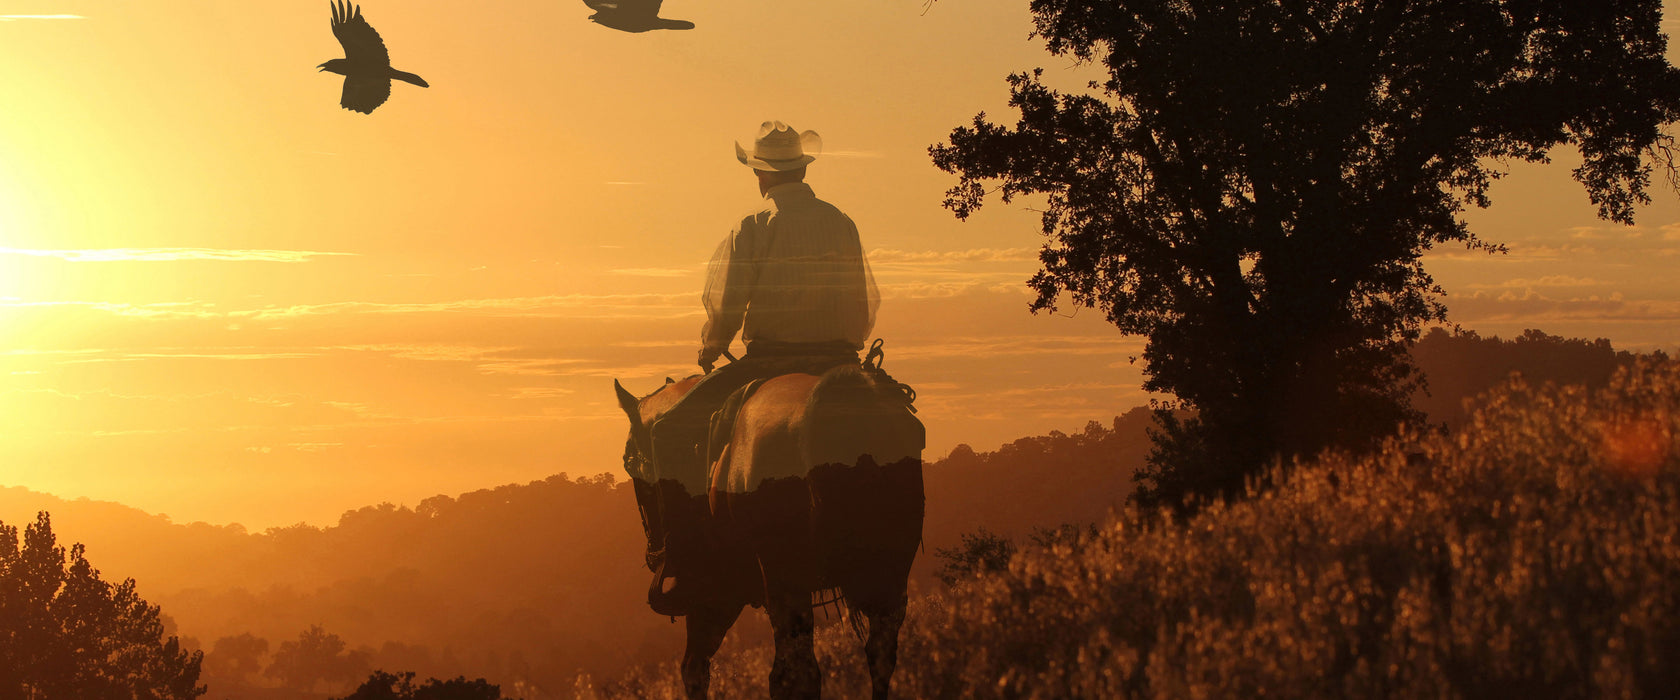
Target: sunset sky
point(224, 298)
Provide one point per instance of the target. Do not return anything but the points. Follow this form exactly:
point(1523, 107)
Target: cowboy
point(792, 280)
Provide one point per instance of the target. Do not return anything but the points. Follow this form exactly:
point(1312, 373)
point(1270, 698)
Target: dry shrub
point(1533, 553)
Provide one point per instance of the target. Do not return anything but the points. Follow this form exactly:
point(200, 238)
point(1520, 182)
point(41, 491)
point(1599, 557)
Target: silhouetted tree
point(236, 658)
point(64, 633)
point(1254, 184)
point(316, 657)
point(386, 686)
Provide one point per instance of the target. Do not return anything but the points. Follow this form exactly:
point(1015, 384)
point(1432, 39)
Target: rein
point(872, 365)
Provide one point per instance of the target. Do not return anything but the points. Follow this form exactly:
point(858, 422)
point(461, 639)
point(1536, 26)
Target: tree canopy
point(1253, 187)
point(64, 633)
point(316, 657)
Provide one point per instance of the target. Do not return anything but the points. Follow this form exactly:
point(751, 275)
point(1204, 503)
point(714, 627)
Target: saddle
point(722, 425)
point(723, 420)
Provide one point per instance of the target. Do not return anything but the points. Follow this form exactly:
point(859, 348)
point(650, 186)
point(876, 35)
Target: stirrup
point(673, 603)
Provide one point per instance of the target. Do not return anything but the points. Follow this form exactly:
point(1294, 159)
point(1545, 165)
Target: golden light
point(15, 228)
point(1636, 446)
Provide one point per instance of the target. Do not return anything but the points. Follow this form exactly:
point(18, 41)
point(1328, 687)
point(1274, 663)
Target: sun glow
point(15, 227)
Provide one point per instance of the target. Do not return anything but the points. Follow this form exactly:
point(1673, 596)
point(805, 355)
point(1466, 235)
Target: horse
point(818, 489)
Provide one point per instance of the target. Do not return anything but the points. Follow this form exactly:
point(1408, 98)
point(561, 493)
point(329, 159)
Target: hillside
point(533, 583)
point(1534, 555)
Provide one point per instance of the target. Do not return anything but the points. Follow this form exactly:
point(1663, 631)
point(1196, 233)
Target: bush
point(400, 686)
point(981, 552)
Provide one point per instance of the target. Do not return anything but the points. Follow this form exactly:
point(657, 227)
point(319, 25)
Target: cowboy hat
point(779, 147)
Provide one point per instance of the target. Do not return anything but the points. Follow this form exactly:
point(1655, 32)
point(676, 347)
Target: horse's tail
point(863, 446)
point(855, 415)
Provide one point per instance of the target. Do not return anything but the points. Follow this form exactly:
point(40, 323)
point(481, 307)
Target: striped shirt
point(792, 273)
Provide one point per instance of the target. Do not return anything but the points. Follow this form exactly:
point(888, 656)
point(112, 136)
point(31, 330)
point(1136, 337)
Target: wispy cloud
point(1546, 281)
point(953, 286)
point(1607, 243)
point(165, 354)
point(653, 272)
point(487, 360)
point(844, 153)
point(565, 305)
point(1022, 345)
point(1531, 307)
point(541, 392)
point(587, 306)
point(1065, 401)
point(889, 255)
point(670, 343)
point(171, 254)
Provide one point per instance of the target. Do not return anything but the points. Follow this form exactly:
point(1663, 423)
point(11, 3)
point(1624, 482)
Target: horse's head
point(638, 449)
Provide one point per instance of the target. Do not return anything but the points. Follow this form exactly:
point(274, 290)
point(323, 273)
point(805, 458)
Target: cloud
point(593, 306)
point(541, 392)
point(653, 272)
point(956, 285)
point(171, 254)
point(1535, 308)
point(580, 306)
point(486, 359)
point(1017, 345)
point(889, 255)
point(670, 343)
point(843, 153)
point(83, 357)
point(1547, 281)
point(1072, 400)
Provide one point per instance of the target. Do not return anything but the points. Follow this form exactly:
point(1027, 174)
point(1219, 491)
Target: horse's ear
point(669, 380)
point(631, 406)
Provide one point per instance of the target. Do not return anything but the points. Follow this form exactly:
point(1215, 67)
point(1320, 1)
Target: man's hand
point(708, 358)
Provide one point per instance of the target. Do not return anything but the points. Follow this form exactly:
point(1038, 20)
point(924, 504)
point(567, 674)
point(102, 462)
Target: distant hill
point(1460, 366)
point(536, 582)
point(161, 555)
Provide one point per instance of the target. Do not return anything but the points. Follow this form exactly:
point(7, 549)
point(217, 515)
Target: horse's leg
point(706, 626)
point(881, 650)
point(794, 674)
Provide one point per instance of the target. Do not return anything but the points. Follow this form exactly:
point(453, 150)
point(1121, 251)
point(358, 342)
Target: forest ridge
point(538, 581)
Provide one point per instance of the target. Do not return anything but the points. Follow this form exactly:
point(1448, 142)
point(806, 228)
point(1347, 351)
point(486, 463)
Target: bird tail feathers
point(408, 78)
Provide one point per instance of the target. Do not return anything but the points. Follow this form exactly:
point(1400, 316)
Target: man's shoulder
point(826, 208)
point(758, 216)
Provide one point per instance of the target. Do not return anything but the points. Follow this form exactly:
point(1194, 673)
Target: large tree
point(317, 657)
point(1253, 187)
point(64, 633)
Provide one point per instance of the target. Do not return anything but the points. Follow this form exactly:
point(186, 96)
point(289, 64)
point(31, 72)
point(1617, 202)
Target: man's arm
point(728, 287)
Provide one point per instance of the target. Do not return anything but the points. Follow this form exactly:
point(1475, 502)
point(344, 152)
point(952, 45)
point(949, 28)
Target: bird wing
point(362, 93)
point(361, 43)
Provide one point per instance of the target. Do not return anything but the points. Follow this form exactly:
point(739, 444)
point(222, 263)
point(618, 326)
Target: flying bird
point(633, 15)
point(366, 65)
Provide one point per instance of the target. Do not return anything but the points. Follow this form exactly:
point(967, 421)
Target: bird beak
point(322, 67)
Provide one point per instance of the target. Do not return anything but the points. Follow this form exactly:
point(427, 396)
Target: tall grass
point(1533, 553)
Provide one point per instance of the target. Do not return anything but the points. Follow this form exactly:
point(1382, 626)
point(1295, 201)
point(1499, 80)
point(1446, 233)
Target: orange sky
point(224, 298)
